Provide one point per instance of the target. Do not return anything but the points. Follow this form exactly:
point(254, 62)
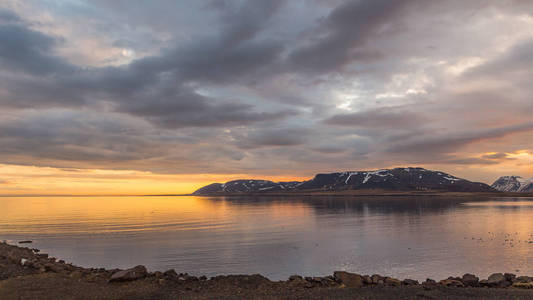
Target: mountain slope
point(399, 179)
point(405, 179)
point(515, 184)
point(508, 183)
point(246, 186)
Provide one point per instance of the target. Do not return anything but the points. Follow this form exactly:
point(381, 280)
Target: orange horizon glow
point(18, 180)
point(33, 180)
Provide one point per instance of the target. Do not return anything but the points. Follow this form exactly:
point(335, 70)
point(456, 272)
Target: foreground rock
point(129, 275)
point(49, 278)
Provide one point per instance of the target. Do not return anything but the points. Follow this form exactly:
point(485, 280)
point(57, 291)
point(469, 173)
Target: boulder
point(130, 274)
point(295, 278)
point(392, 281)
point(376, 279)
point(509, 277)
point(470, 280)
point(367, 279)
point(451, 282)
point(171, 273)
point(498, 280)
point(523, 279)
point(410, 282)
point(348, 279)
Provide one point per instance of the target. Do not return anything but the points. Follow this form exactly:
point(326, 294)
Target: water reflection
point(279, 236)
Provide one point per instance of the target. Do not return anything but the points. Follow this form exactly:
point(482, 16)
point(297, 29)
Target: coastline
point(370, 193)
point(27, 273)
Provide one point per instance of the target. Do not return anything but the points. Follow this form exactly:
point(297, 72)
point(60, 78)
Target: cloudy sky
point(164, 96)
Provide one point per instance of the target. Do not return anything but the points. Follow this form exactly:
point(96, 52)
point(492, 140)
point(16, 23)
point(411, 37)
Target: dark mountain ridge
point(398, 179)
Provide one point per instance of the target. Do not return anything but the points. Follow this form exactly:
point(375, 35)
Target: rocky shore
point(25, 273)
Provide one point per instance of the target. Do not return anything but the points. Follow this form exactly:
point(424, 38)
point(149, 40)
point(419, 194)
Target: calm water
point(403, 237)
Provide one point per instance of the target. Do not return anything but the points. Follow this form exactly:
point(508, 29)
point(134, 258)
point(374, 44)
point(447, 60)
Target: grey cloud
point(379, 118)
point(516, 62)
point(241, 64)
point(153, 87)
point(273, 137)
point(347, 28)
point(7, 16)
point(25, 50)
point(448, 142)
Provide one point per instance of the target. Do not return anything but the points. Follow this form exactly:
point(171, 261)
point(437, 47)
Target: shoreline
point(371, 193)
point(50, 278)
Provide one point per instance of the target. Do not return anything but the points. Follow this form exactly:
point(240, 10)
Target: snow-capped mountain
point(515, 184)
point(400, 179)
point(246, 186)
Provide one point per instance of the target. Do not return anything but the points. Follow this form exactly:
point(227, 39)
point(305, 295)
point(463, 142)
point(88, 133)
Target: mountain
point(515, 184)
point(399, 179)
point(246, 186)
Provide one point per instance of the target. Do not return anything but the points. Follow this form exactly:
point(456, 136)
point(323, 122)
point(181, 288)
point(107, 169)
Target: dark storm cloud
point(7, 16)
point(342, 34)
point(151, 87)
point(29, 51)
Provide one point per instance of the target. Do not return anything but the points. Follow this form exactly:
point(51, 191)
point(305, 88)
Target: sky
point(159, 97)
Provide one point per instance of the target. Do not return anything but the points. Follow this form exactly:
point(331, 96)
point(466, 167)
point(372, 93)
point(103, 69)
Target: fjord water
point(405, 237)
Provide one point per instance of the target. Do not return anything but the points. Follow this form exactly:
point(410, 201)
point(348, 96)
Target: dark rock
point(329, 281)
point(498, 280)
point(128, 275)
point(410, 282)
point(484, 282)
point(296, 279)
point(377, 279)
point(452, 282)
point(392, 281)
point(348, 279)
point(523, 279)
point(509, 277)
point(430, 281)
point(53, 268)
point(171, 273)
point(367, 279)
point(26, 242)
point(158, 274)
point(470, 280)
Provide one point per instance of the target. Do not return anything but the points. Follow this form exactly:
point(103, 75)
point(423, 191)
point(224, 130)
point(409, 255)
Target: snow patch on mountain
point(513, 184)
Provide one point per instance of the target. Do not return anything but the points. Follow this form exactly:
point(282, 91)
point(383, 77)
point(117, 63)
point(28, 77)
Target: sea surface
point(406, 237)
